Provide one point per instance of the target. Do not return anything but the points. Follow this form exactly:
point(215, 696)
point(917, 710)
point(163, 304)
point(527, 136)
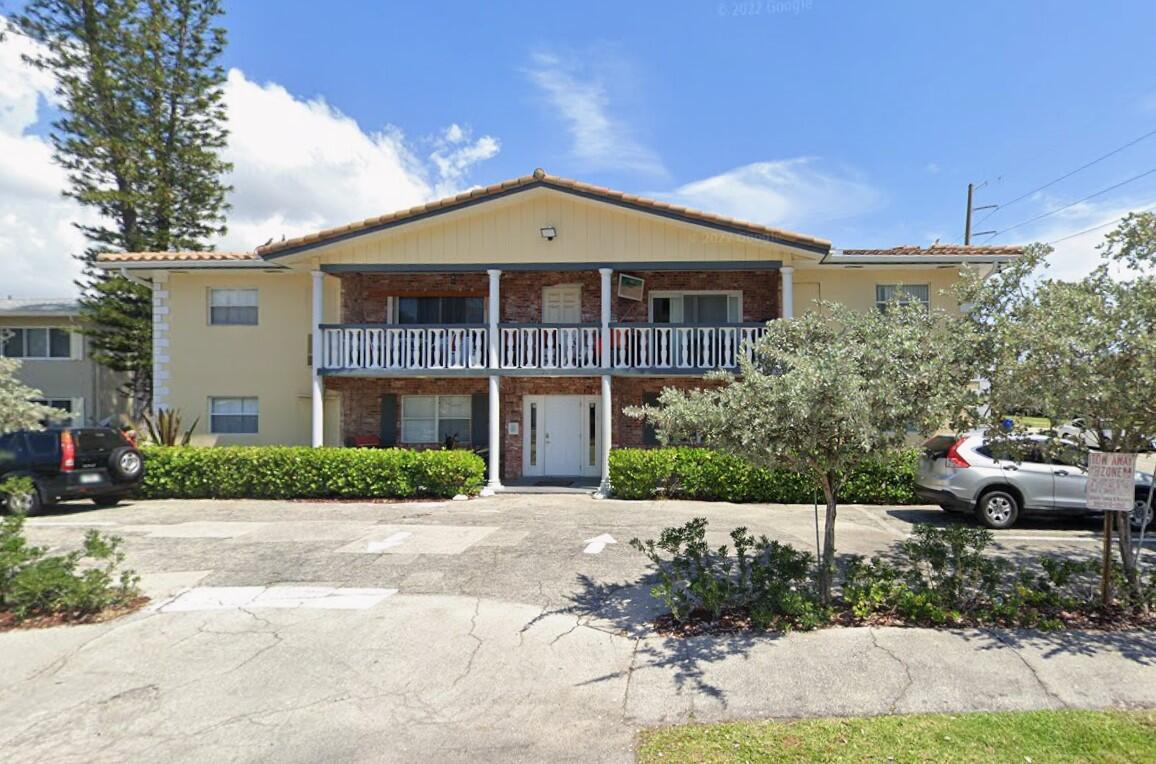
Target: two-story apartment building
point(43, 334)
point(517, 319)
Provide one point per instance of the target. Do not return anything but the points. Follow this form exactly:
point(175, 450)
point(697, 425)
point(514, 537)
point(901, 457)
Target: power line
point(1067, 175)
point(1072, 204)
point(1098, 227)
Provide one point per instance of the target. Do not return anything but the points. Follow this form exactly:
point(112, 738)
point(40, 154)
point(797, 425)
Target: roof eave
point(916, 259)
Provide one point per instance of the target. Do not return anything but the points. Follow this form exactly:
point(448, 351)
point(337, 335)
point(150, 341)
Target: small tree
point(1081, 351)
point(825, 392)
point(18, 411)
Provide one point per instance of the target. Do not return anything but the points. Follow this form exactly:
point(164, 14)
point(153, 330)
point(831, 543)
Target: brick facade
point(364, 295)
point(364, 300)
point(361, 404)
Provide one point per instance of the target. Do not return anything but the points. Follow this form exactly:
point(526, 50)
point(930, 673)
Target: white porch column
point(788, 274)
point(318, 398)
point(494, 338)
point(607, 408)
point(606, 273)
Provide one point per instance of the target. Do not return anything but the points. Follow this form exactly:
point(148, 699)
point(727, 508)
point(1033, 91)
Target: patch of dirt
point(731, 622)
point(9, 622)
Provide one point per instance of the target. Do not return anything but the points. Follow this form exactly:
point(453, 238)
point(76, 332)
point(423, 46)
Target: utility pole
point(970, 210)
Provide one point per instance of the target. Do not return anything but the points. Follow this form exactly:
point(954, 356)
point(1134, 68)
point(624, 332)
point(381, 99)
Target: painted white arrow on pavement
point(389, 543)
point(598, 543)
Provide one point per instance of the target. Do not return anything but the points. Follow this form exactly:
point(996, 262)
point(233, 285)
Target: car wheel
point(106, 501)
point(126, 464)
point(23, 502)
point(1137, 518)
point(998, 510)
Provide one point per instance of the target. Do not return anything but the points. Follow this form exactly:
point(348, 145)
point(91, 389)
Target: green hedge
point(699, 473)
point(282, 472)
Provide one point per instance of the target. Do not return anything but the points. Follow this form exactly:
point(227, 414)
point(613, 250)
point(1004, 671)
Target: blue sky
point(861, 122)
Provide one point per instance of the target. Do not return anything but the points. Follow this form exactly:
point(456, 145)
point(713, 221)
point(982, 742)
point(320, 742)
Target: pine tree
point(142, 127)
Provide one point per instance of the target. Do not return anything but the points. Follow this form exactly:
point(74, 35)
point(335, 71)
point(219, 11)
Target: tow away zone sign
point(1111, 481)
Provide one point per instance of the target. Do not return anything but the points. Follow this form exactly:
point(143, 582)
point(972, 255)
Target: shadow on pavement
point(627, 609)
point(1136, 646)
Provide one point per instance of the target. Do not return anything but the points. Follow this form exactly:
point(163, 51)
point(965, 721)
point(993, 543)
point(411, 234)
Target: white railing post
point(605, 274)
point(317, 397)
point(495, 391)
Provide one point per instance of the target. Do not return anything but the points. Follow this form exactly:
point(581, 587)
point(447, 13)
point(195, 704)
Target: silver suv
point(965, 475)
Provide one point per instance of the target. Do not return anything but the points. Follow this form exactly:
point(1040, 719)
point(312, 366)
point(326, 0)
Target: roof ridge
point(538, 177)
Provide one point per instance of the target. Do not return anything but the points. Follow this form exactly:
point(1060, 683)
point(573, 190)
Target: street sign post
point(1111, 487)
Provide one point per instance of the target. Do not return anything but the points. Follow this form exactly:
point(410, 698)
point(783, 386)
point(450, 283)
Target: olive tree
point(825, 392)
point(1081, 352)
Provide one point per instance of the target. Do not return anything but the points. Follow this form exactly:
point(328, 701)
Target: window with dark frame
point(35, 343)
point(441, 310)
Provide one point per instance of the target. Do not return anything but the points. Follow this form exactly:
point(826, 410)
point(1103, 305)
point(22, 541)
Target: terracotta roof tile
point(945, 250)
point(540, 176)
point(142, 257)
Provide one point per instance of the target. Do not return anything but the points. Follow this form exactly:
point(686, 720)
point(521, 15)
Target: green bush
point(942, 576)
point(766, 580)
point(76, 584)
point(284, 472)
point(707, 475)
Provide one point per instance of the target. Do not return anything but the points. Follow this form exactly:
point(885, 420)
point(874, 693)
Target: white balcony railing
point(367, 346)
point(637, 346)
point(681, 346)
point(543, 346)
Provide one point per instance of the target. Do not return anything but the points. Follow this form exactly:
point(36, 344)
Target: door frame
point(588, 455)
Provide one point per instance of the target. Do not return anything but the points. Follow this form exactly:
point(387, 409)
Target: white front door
point(562, 435)
point(562, 304)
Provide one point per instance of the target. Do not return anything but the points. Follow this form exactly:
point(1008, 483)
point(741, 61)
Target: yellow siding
point(267, 361)
point(855, 287)
point(508, 231)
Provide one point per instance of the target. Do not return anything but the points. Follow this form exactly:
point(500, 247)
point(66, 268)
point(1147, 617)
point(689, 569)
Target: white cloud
point(1076, 256)
point(600, 140)
point(37, 239)
point(796, 193)
point(301, 165)
point(933, 168)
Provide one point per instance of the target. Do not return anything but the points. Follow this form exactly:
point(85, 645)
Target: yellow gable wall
point(507, 230)
point(855, 287)
point(268, 361)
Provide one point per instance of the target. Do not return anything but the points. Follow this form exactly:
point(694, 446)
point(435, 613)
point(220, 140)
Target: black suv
point(95, 463)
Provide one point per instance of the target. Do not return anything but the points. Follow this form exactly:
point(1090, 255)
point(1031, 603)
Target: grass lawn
point(1034, 736)
point(1033, 421)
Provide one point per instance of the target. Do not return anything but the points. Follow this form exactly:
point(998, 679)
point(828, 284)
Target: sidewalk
point(453, 678)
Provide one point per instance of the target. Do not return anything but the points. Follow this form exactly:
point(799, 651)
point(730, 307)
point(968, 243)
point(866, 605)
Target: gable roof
point(541, 179)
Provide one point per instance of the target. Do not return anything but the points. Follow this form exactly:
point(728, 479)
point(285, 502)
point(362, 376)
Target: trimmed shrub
point(707, 475)
point(292, 472)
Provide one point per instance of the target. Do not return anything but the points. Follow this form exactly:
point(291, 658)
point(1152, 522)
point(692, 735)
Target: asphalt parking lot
point(505, 628)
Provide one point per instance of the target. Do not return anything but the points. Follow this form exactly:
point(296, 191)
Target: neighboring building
point(44, 334)
point(520, 318)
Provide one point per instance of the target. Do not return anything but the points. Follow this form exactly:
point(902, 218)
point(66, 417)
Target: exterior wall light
point(548, 233)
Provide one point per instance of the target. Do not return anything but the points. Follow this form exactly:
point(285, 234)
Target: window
point(73, 406)
point(696, 307)
point(440, 310)
point(36, 343)
point(435, 418)
point(233, 307)
point(904, 294)
point(233, 416)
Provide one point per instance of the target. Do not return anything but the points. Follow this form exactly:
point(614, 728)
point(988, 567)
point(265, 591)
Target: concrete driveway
point(496, 629)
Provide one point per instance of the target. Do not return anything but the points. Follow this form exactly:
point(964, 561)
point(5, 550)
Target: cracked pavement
point(504, 642)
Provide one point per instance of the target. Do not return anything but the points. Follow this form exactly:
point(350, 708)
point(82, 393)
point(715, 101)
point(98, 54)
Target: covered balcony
point(547, 348)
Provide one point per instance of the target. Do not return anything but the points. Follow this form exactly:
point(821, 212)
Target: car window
point(41, 445)
point(10, 446)
point(1070, 456)
point(97, 440)
point(1013, 452)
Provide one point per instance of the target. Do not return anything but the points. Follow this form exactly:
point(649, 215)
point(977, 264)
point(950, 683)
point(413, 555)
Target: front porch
point(541, 351)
